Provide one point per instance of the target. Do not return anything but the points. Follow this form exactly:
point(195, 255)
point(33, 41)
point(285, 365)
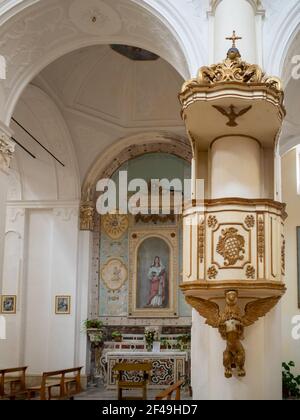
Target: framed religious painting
point(62, 305)
point(153, 256)
point(8, 304)
point(298, 264)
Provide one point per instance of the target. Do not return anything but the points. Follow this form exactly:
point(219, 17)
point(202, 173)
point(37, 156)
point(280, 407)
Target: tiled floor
point(100, 393)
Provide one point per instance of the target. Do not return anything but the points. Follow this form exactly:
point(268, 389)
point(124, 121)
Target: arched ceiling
point(104, 97)
point(35, 33)
point(99, 82)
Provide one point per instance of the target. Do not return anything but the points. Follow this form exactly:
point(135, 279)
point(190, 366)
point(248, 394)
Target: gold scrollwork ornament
point(115, 225)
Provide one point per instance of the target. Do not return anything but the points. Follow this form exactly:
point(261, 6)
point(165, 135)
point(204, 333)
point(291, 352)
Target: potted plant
point(183, 341)
point(93, 328)
point(116, 336)
point(290, 382)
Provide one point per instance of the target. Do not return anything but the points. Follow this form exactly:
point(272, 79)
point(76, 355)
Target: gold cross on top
point(234, 38)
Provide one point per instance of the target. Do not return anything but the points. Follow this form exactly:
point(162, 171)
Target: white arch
point(168, 34)
point(284, 36)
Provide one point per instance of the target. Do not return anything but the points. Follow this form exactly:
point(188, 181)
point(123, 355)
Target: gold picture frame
point(62, 305)
point(166, 238)
point(8, 304)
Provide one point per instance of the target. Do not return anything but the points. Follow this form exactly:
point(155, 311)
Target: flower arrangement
point(151, 335)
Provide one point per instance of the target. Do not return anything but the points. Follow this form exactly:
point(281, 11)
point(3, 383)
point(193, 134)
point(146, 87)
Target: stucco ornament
point(95, 17)
point(7, 148)
point(231, 323)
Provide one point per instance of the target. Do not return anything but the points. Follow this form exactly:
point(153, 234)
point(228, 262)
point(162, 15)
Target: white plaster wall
point(290, 347)
point(39, 266)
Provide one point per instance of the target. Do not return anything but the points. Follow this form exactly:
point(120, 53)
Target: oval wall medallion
point(114, 274)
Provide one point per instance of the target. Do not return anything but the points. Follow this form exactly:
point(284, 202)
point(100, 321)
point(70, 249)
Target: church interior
point(199, 302)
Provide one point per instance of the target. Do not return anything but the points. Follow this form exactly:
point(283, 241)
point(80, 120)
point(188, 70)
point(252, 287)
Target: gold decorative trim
point(212, 273)
point(155, 218)
point(201, 238)
point(261, 238)
point(250, 272)
point(250, 221)
point(136, 238)
point(87, 215)
point(233, 70)
point(115, 225)
point(232, 201)
point(212, 222)
point(234, 284)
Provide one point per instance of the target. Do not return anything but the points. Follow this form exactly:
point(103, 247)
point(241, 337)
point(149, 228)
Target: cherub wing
point(207, 309)
point(244, 111)
point(222, 110)
point(258, 308)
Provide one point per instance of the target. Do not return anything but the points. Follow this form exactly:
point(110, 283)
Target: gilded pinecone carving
point(231, 246)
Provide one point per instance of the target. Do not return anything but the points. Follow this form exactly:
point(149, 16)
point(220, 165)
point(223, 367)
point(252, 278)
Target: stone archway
point(38, 32)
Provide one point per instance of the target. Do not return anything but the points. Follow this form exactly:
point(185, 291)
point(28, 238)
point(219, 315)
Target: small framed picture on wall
point(8, 304)
point(298, 263)
point(63, 305)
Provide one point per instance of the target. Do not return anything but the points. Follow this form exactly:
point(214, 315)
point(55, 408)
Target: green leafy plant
point(183, 341)
point(92, 323)
point(290, 382)
point(116, 336)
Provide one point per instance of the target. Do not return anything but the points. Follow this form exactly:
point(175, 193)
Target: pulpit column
point(233, 245)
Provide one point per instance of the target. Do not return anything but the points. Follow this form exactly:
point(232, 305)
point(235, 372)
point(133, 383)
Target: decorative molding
point(212, 222)
point(65, 213)
point(155, 218)
point(114, 274)
point(233, 70)
point(87, 214)
point(7, 148)
point(133, 147)
point(261, 238)
point(201, 239)
point(250, 221)
point(250, 272)
point(212, 273)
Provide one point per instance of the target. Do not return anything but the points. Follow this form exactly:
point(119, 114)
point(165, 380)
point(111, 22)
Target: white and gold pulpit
point(234, 247)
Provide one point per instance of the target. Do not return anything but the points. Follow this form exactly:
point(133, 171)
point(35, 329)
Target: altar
point(167, 367)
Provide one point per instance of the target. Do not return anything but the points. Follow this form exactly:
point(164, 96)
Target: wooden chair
point(17, 385)
point(167, 394)
point(122, 384)
point(57, 379)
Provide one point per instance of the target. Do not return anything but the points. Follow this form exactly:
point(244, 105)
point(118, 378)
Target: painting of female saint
point(152, 278)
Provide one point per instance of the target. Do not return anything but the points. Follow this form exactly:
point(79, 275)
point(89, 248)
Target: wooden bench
point(58, 379)
point(167, 394)
point(17, 385)
point(121, 368)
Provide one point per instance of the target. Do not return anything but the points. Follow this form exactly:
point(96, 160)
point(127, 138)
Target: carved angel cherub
point(231, 323)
